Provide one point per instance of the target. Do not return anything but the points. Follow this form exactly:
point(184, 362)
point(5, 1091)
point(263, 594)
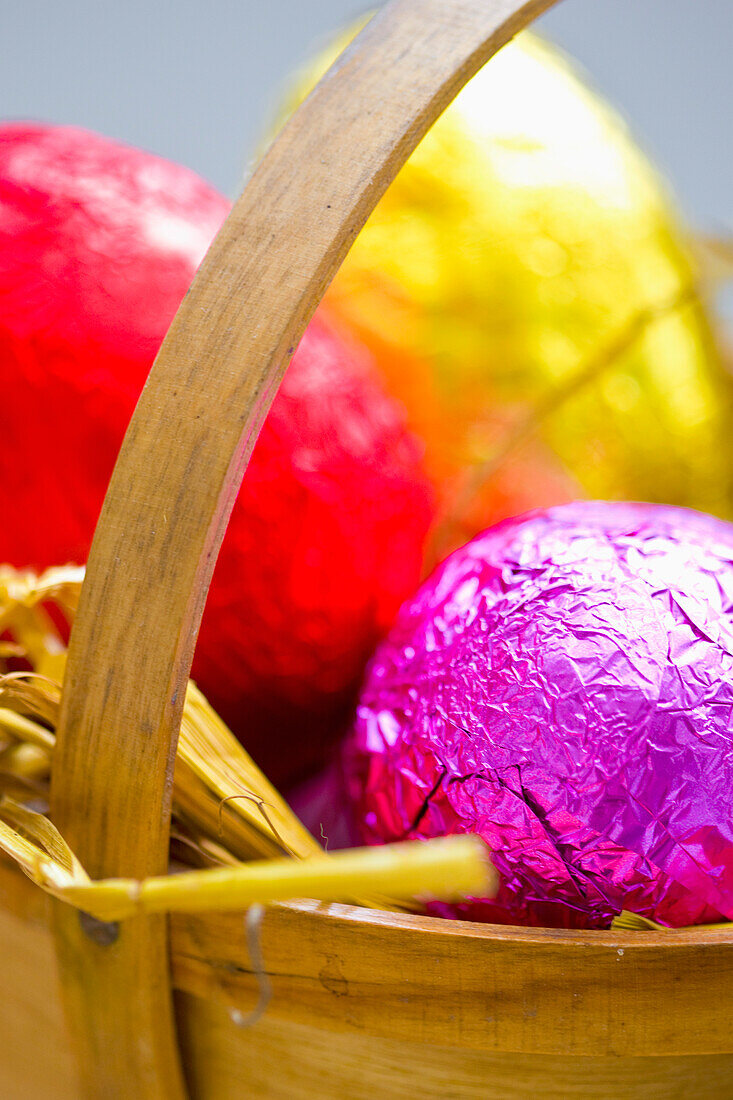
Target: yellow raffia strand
point(221, 796)
point(39, 849)
point(224, 808)
point(633, 922)
point(222, 791)
point(25, 730)
point(449, 868)
point(219, 790)
point(22, 595)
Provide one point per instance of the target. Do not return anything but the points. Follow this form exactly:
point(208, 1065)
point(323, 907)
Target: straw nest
point(225, 811)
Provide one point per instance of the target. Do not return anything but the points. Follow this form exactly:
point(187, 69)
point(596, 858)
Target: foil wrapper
point(98, 245)
point(563, 686)
point(493, 280)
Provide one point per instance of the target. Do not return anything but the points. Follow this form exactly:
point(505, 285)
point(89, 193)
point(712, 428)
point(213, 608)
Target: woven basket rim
point(360, 916)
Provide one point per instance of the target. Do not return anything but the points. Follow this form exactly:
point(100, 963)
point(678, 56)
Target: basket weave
point(363, 1003)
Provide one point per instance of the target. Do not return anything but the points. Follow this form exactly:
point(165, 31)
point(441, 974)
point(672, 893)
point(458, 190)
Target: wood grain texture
point(36, 1059)
point(277, 1060)
point(469, 986)
point(367, 1005)
point(177, 477)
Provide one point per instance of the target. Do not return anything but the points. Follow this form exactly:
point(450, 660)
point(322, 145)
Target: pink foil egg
point(563, 686)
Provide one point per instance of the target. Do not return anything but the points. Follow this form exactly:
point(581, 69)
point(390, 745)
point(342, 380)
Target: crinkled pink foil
point(563, 686)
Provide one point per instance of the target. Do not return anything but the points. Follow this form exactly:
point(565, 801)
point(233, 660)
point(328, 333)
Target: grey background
point(197, 81)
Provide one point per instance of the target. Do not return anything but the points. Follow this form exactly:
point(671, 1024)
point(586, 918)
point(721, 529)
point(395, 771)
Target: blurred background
point(197, 82)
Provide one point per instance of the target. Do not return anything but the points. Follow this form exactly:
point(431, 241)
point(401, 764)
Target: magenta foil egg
point(563, 686)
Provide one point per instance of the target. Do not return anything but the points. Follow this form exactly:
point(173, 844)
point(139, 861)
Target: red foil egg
point(563, 686)
point(98, 245)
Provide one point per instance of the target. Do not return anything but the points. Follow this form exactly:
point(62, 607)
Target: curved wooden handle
point(177, 477)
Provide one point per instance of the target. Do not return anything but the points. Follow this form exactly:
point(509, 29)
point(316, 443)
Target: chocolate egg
point(563, 687)
point(497, 280)
point(98, 245)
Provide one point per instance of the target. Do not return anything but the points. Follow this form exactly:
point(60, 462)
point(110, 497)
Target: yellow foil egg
point(529, 296)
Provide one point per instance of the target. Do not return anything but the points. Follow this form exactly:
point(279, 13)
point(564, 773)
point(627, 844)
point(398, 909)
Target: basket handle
point(176, 480)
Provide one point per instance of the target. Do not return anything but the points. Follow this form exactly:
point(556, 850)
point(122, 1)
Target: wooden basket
point(364, 1004)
